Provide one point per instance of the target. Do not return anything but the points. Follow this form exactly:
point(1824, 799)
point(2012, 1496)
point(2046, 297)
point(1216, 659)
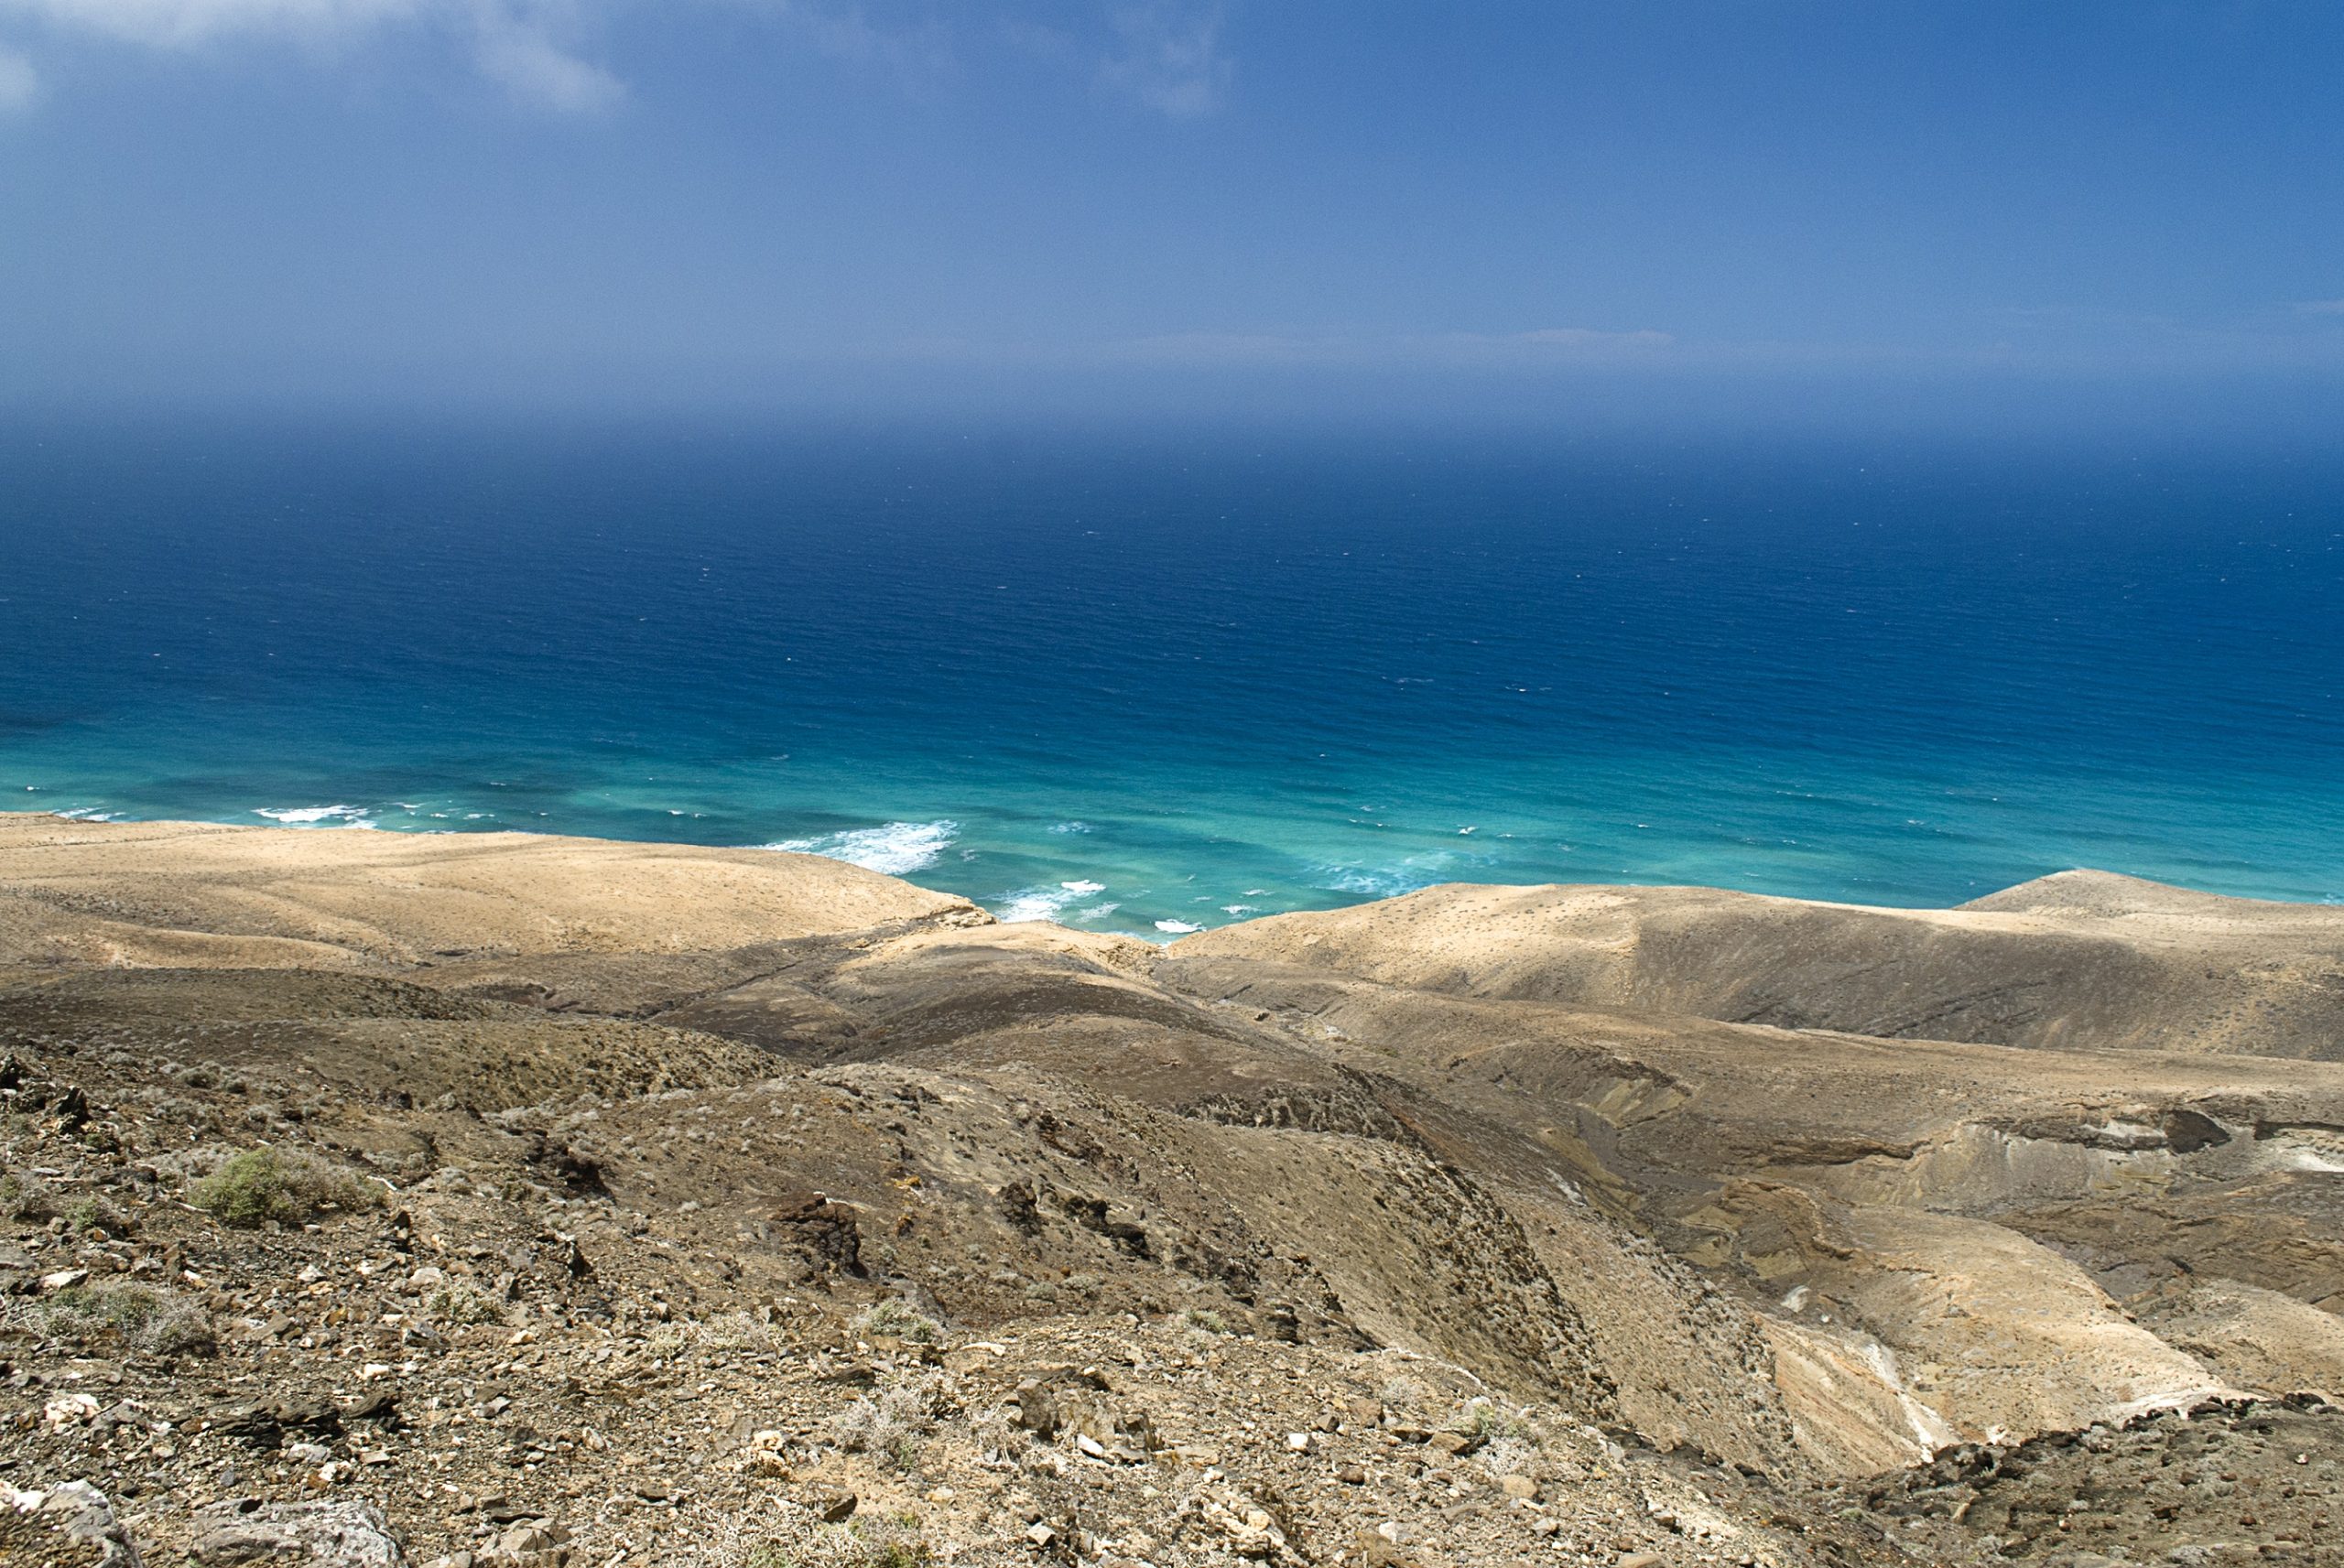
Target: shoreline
point(1081, 898)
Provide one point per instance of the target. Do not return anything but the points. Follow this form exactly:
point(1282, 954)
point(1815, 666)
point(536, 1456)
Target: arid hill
point(157, 894)
point(2083, 960)
point(680, 1200)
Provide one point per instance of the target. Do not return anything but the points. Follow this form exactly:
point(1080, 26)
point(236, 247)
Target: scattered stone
point(341, 1534)
point(80, 1513)
point(1169, 1379)
point(1037, 1408)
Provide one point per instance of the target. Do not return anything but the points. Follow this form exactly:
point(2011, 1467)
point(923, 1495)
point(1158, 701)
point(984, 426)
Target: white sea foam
point(894, 847)
point(1237, 908)
point(1367, 880)
point(1031, 903)
point(87, 814)
point(317, 816)
point(1070, 828)
point(1177, 927)
point(1032, 906)
point(1391, 880)
point(1049, 903)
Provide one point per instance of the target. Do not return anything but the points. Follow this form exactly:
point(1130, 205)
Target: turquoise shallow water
point(1146, 683)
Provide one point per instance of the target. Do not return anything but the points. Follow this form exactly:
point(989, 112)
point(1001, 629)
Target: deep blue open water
point(1148, 682)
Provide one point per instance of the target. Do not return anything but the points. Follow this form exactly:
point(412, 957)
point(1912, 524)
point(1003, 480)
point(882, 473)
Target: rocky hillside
point(531, 1202)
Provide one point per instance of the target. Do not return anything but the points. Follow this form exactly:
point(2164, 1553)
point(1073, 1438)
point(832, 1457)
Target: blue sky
point(1172, 202)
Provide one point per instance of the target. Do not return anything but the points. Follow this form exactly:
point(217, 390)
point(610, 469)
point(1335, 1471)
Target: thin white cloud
point(2262, 334)
point(517, 48)
point(916, 53)
point(166, 23)
point(19, 84)
point(1234, 348)
point(528, 46)
point(1551, 340)
point(1547, 345)
point(1167, 54)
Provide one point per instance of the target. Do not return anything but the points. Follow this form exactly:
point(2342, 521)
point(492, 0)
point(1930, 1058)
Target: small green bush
point(891, 1425)
point(261, 1184)
point(799, 1538)
point(891, 1544)
point(181, 1328)
point(89, 1309)
point(894, 1320)
point(91, 1212)
point(459, 1301)
point(1480, 1418)
point(148, 1320)
point(737, 1331)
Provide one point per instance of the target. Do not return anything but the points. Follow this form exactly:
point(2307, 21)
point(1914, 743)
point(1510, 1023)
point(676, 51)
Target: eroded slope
point(2080, 960)
point(678, 1117)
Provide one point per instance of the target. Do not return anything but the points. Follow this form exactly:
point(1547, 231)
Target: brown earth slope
point(698, 1190)
point(2080, 960)
point(201, 895)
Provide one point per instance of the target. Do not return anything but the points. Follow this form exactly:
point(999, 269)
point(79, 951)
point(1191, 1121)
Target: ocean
point(1158, 681)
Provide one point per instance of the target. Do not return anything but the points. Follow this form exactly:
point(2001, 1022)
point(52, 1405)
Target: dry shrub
point(157, 1322)
point(460, 1300)
point(890, 1424)
point(262, 1185)
point(892, 1319)
point(789, 1536)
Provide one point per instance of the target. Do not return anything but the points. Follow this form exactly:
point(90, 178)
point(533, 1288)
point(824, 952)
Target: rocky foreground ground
point(514, 1203)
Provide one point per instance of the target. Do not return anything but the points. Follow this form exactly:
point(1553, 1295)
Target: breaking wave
point(317, 816)
point(894, 848)
point(1049, 903)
